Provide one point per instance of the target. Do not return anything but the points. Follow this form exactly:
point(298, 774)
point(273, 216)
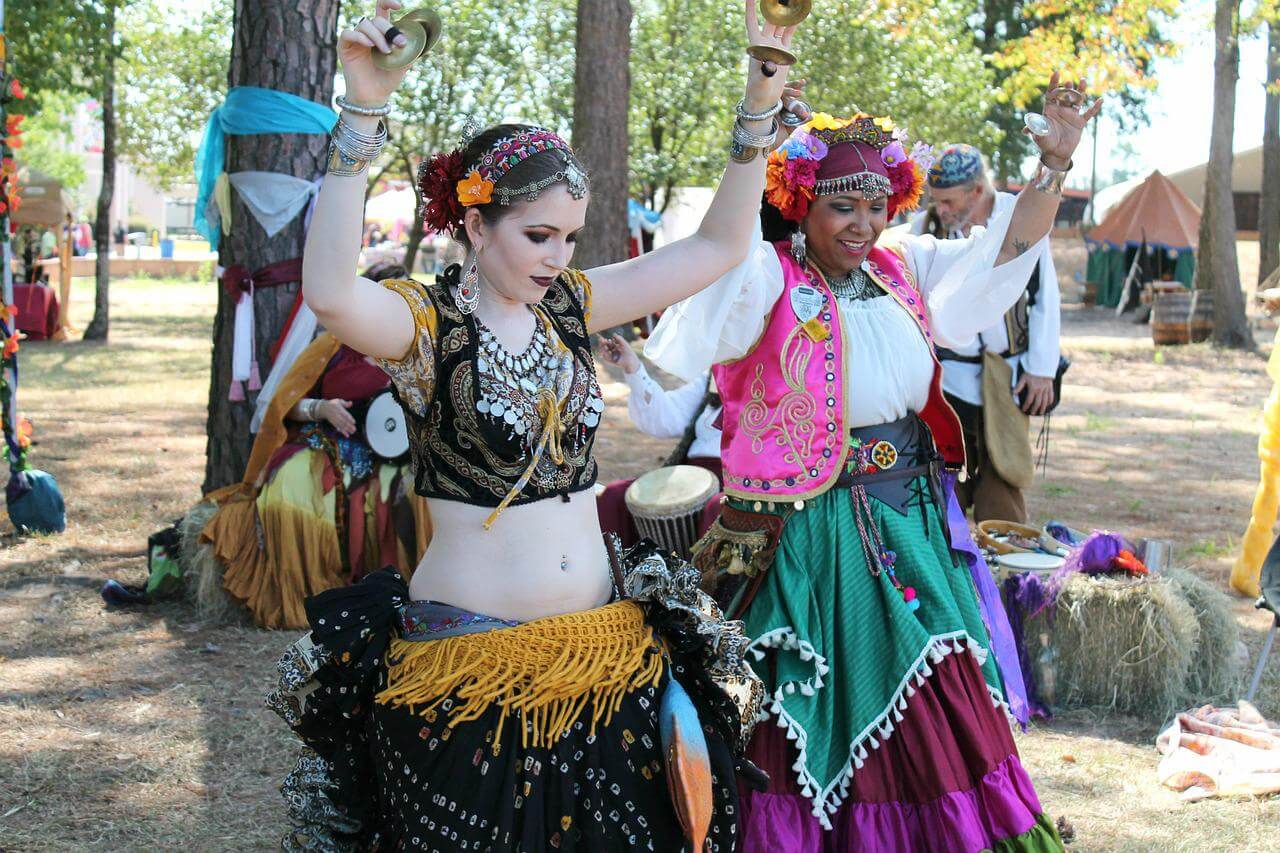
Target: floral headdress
point(827, 156)
point(447, 188)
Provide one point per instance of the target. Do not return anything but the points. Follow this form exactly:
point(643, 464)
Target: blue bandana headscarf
point(957, 164)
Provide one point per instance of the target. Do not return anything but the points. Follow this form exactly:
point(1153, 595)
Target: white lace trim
point(826, 800)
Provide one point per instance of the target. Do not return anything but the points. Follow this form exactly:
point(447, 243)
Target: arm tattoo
point(1020, 247)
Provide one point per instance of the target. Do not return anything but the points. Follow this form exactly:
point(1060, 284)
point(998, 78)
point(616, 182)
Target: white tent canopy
point(392, 207)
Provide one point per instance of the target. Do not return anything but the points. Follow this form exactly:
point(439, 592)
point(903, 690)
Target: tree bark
point(1217, 268)
point(1269, 220)
point(290, 46)
point(602, 90)
point(99, 327)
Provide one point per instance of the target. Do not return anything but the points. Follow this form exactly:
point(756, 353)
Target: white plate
point(1030, 562)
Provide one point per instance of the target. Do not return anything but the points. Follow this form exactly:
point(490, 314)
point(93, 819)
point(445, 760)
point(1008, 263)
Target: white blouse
point(666, 414)
point(887, 363)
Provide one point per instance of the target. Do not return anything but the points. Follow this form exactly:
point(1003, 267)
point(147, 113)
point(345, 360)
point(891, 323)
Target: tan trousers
point(983, 490)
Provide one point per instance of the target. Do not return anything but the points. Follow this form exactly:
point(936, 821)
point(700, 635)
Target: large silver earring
point(468, 295)
point(797, 247)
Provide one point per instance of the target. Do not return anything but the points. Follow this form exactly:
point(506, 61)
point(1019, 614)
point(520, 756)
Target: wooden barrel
point(1180, 317)
point(1089, 293)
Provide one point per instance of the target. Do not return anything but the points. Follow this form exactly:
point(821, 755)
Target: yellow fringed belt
point(546, 671)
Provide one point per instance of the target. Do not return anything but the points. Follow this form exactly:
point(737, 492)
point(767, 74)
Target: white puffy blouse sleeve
point(721, 322)
point(964, 290)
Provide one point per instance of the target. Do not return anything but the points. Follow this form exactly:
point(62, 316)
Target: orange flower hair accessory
point(475, 189)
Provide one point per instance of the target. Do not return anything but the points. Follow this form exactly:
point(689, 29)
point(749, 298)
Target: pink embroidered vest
point(784, 402)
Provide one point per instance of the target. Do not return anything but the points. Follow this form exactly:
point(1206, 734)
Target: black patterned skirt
point(471, 734)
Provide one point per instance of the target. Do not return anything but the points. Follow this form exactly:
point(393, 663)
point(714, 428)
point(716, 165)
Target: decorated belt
point(886, 458)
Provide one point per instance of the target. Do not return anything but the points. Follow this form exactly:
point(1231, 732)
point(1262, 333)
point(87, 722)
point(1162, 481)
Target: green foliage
point(493, 63)
point(1114, 43)
point(171, 74)
point(686, 74)
point(914, 59)
point(47, 142)
point(57, 46)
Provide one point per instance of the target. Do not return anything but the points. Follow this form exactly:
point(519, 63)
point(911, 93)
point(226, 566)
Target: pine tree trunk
point(416, 232)
point(1217, 268)
point(100, 325)
point(602, 90)
point(290, 46)
point(1269, 222)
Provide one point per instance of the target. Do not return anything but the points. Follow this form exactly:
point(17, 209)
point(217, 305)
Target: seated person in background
point(690, 413)
point(317, 508)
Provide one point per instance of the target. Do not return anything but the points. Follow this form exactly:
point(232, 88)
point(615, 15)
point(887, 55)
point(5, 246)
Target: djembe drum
point(668, 503)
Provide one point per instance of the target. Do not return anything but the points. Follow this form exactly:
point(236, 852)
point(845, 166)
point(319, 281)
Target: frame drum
point(384, 428)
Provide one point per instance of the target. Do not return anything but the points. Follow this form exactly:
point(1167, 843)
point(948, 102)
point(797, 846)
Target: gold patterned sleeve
point(580, 287)
point(414, 373)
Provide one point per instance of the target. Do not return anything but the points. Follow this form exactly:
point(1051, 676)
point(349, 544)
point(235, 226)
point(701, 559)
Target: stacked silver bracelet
point(351, 151)
point(746, 145)
point(1048, 179)
point(356, 109)
point(309, 409)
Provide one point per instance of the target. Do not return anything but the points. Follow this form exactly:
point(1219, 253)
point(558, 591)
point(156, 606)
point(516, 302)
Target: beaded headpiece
point(447, 189)
point(829, 156)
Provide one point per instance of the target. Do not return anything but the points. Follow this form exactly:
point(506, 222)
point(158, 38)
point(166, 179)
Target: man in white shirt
point(962, 196)
point(689, 412)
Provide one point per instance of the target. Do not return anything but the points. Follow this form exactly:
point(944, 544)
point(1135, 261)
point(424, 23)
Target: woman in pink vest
point(889, 712)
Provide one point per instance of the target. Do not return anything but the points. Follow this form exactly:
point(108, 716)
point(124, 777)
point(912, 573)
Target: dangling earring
point(468, 295)
point(797, 247)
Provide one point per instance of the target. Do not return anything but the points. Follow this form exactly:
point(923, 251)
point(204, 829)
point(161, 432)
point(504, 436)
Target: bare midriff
point(540, 559)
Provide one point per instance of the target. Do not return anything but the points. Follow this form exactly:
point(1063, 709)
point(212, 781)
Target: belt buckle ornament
point(884, 455)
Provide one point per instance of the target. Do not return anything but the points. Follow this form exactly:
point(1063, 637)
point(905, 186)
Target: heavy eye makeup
point(541, 236)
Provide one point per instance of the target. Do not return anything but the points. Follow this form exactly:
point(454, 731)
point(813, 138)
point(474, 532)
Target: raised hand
point(367, 84)
point(1067, 120)
point(764, 90)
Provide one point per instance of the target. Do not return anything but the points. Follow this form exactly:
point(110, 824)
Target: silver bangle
point(356, 145)
point(741, 110)
point(740, 153)
point(356, 109)
point(755, 140)
point(1048, 179)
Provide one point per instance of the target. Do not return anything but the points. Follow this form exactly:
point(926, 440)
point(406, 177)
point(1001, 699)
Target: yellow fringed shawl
point(547, 671)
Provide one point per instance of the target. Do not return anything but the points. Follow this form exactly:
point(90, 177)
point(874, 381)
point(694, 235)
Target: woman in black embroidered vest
point(522, 693)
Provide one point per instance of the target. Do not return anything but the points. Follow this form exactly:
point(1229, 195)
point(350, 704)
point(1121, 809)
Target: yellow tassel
point(546, 671)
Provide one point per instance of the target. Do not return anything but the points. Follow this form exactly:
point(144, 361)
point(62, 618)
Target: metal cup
point(1156, 554)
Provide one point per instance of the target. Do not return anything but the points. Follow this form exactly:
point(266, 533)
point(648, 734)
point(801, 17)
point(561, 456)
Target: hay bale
point(1121, 644)
point(1216, 674)
point(203, 571)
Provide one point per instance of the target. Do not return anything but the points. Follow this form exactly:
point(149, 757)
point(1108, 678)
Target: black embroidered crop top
point(465, 449)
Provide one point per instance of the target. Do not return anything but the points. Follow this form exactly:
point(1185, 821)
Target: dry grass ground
point(144, 729)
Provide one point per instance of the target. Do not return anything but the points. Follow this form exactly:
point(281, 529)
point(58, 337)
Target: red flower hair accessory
point(438, 179)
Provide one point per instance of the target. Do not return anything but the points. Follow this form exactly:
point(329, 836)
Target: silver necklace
point(855, 286)
point(509, 383)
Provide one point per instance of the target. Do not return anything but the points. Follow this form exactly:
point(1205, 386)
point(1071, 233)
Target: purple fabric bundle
point(1094, 556)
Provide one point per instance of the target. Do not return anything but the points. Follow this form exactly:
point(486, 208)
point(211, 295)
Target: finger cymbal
point(785, 13)
point(421, 29)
